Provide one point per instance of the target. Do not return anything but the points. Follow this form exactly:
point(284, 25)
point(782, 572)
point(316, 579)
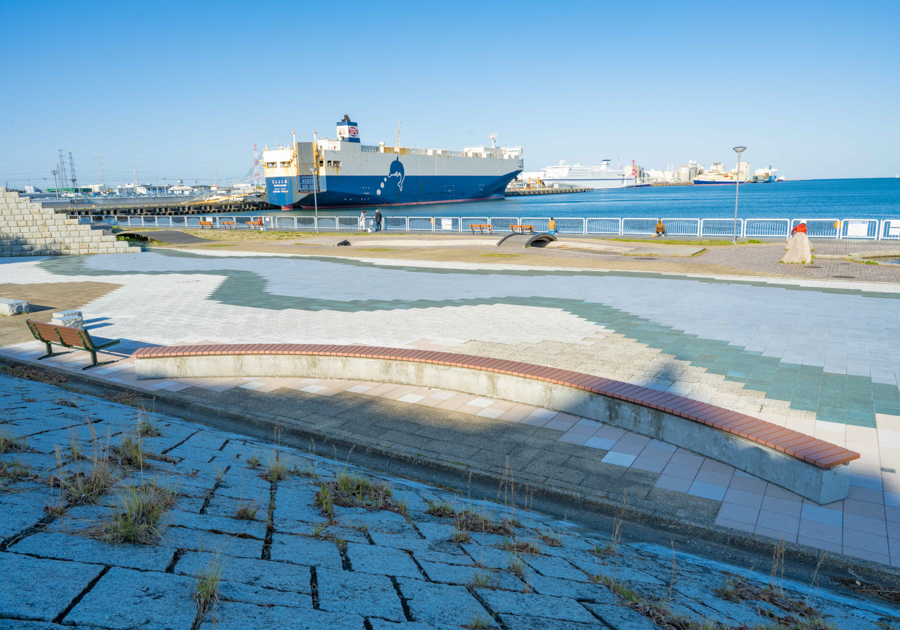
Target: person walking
point(378, 218)
point(362, 221)
point(551, 226)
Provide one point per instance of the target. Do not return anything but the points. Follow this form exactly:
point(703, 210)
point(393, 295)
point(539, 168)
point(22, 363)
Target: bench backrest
point(60, 334)
point(209, 223)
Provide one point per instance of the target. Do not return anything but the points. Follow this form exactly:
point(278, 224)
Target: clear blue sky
point(176, 87)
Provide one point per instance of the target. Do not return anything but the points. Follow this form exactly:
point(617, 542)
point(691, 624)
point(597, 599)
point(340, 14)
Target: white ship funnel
point(347, 131)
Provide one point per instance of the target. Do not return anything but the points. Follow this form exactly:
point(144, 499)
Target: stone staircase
point(30, 229)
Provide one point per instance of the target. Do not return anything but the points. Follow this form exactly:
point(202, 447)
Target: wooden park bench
point(228, 224)
point(482, 227)
point(522, 228)
point(258, 223)
point(204, 224)
point(67, 337)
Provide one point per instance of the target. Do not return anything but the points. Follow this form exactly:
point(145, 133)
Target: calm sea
point(827, 199)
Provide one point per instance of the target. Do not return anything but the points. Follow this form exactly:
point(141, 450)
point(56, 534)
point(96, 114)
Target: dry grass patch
point(475, 521)
point(246, 511)
point(11, 472)
point(206, 590)
point(129, 452)
point(138, 514)
point(11, 444)
point(355, 490)
point(520, 546)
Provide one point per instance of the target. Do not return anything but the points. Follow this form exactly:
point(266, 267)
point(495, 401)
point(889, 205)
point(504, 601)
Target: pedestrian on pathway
point(378, 218)
point(362, 221)
point(551, 226)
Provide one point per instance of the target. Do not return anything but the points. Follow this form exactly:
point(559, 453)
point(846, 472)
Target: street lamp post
point(737, 185)
point(315, 173)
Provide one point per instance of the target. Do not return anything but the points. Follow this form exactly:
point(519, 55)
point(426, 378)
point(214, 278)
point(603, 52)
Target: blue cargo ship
point(346, 173)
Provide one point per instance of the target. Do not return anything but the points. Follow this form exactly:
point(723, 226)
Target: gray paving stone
point(38, 589)
point(21, 511)
point(489, 556)
point(198, 540)
point(457, 574)
point(217, 524)
point(435, 604)
point(259, 596)
point(442, 531)
point(445, 553)
point(380, 624)
point(306, 551)
point(15, 624)
point(358, 593)
point(554, 567)
point(534, 605)
point(238, 616)
point(124, 599)
point(382, 561)
point(566, 588)
point(517, 622)
point(620, 617)
point(268, 574)
point(375, 520)
point(90, 551)
point(399, 541)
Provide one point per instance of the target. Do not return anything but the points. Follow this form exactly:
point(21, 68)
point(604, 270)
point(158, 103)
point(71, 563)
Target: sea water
point(824, 199)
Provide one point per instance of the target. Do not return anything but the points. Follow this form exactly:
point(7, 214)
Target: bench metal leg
point(50, 352)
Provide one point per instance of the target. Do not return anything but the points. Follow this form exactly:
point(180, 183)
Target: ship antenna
point(398, 136)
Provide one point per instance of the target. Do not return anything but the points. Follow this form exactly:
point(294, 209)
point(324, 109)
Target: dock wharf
point(517, 192)
point(161, 209)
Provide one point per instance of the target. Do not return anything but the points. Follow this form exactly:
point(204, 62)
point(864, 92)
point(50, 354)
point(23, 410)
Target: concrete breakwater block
point(11, 307)
point(72, 319)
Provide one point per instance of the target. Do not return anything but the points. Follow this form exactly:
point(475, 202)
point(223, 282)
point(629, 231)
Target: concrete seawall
point(814, 483)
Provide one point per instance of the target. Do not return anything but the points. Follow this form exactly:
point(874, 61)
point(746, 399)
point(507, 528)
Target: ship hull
point(596, 184)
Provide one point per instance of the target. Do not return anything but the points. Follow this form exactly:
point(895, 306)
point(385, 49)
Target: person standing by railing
point(378, 219)
point(551, 226)
point(362, 221)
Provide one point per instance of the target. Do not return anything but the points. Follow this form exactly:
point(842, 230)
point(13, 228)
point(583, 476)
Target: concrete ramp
point(541, 239)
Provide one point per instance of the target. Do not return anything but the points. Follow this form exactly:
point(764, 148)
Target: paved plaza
point(283, 557)
point(821, 357)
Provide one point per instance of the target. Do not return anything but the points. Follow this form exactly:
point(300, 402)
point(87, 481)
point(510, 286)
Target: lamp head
point(739, 150)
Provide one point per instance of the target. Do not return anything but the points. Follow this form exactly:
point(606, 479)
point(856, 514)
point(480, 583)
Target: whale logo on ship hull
point(397, 171)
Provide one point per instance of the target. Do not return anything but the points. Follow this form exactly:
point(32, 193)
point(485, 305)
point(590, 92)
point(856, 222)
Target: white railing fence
point(847, 229)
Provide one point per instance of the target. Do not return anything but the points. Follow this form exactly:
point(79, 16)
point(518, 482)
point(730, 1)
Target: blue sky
point(179, 89)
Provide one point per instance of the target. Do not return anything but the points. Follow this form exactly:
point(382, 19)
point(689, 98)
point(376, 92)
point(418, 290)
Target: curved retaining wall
point(815, 482)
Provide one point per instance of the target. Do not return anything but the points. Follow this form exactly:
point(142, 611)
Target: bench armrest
point(100, 346)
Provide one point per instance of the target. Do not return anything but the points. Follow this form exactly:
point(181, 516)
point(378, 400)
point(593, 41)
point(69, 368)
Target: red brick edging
point(804, 447)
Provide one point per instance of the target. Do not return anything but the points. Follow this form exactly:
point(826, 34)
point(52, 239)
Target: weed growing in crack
point(206, 590)
point(520, 546)
point(246, 511)
point(739, 590)
point(14, 471)
point(461, 536)
point(85, 486)
point(11, 444)
point(55, 510)
point(474, 521)
point(479, 622)
point(253, 462)
point(146, 427)
point(551, 539)
point(483, 579)
point(34, 374)
point(442, 509)
point(615, 538)
point(129, 452)
point(66, 403)
point(276, 469)
point(138, 514)
point(303, 471)
point(517, 566)
point(355, 490)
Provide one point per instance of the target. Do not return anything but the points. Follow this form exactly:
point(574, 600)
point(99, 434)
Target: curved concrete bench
point(812, 468)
